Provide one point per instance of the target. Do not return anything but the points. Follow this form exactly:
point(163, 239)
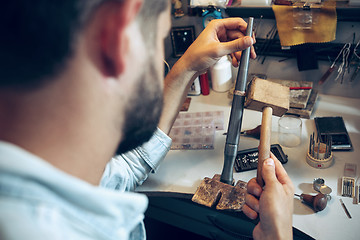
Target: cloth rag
point(322, 30)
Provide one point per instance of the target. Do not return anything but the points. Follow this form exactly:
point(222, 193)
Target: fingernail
point(269, 162)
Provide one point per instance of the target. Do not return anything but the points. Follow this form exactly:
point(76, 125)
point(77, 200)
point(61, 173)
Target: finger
point(252, 202)
point(230, 24)
point(254, 188)
point(250, 213)
point(234, 60)
point(238, 55)
point(234, 34)
point(280, 171)
point(268, 171)
point(236, 45)
point(253, 53)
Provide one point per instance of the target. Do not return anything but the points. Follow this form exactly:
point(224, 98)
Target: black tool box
point(248, 159)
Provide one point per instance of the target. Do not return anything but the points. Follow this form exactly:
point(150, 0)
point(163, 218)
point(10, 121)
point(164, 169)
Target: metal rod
point(326, 148)
point(312, 145)
point(345, 209)
point(317, 153)
point(237, 109)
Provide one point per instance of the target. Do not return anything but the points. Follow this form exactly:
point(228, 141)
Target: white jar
point(221, 76)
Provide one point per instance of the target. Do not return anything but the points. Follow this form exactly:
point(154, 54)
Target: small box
point(350, 170)
point(335, 128)
point(357, 192)
point(348, 187)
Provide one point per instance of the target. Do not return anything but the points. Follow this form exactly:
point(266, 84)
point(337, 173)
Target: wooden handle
point(326, 75)
point(264, 146)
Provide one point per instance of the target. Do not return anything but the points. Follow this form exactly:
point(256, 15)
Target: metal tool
point(348, 187)
point(237, 109)
point(319, 186)
point(219, 191)
point(355, 55)
point(255, 132)
point(345, 208)
point(317, 202)
point(344, 52)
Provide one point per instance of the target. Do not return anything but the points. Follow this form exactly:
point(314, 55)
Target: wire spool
point(319, 159)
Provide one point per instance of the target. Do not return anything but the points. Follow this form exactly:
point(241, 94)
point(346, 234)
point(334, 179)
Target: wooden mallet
point(271, 99)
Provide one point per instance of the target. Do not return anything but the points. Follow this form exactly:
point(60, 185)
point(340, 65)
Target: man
point(81, 81)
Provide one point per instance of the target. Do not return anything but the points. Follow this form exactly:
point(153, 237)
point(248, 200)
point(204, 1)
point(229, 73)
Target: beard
point(143, 113)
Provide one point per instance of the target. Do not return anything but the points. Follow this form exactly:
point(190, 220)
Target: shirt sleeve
point(127, 171)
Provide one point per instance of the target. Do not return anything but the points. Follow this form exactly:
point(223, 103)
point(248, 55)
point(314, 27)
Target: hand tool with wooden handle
point(269, 98)
point(317, 202)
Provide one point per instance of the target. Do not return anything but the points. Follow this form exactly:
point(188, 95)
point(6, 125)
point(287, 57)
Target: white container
point(255, 2)
point(221, 76)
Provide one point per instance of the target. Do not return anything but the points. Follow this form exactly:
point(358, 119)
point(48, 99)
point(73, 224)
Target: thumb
point(268, 171)
point(237, 45)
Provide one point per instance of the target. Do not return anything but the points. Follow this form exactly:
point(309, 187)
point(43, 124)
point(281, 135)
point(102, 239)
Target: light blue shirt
point(39, 201)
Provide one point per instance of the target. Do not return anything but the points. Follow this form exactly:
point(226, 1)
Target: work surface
point(183, 170)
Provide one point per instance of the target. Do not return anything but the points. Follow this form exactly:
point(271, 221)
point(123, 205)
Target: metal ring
point(239, 93)
point(318, 183)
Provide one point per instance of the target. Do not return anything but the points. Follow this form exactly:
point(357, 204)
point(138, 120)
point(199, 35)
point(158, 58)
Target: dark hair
point(37, 37)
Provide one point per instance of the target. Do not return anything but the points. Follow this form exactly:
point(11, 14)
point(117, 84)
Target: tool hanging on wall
point(356, 58)
point(269, 40)
point(344, 66)
point(333, 65)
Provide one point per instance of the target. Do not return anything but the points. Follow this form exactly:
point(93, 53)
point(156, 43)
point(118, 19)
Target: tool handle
point(264, 145)
point(317, 202)
point(326, 75)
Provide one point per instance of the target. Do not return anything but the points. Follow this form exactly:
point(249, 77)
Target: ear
point(115, 17)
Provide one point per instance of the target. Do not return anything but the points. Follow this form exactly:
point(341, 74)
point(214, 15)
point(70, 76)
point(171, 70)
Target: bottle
point(204, 84)
point(221, 76)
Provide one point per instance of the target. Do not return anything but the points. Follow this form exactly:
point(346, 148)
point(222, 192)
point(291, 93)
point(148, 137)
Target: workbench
point(182, 171)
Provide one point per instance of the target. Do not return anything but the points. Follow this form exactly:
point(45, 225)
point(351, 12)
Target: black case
point(335, 128)
point(248, 159)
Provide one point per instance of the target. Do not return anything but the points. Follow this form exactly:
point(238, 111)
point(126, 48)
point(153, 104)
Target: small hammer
point(270, 98)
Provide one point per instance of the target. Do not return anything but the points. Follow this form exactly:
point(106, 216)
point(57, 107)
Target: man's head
point(97, 62)
point(38, 37)
point(144, 111)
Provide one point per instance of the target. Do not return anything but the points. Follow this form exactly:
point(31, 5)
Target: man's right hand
point(273, 204)
point(221, 37)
